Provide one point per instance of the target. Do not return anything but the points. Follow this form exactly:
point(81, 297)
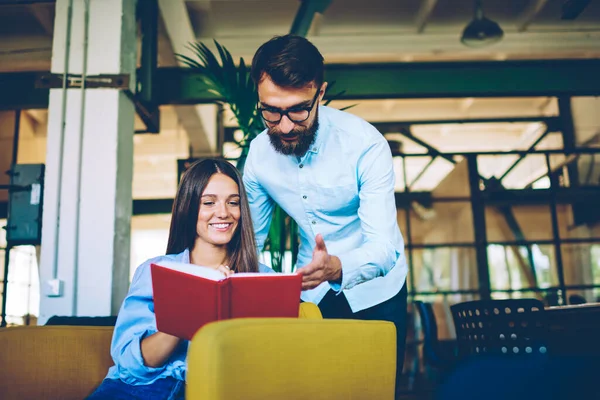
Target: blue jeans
point(162, 389)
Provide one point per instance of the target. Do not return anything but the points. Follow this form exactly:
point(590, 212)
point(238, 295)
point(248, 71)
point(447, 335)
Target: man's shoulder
point(337, 117)
point(349, 125)
point(260, 141)
point(260, 146)
point(350, 133)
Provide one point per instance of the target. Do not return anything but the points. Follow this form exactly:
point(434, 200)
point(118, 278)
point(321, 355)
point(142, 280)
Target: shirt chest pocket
point(336, 199)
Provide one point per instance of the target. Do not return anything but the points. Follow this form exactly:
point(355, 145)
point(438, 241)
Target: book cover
point(186, 296)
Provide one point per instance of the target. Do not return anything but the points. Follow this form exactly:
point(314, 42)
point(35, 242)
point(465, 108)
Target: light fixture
point(481, 31)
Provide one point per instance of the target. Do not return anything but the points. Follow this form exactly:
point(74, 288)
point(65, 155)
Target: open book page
point(191, 269)
point(210, 273)
point(243, 274)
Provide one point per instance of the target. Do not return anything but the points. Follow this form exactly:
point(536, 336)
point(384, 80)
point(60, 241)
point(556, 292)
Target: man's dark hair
point(290, 61)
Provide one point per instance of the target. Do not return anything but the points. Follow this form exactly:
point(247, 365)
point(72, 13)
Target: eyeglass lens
point(294, 116)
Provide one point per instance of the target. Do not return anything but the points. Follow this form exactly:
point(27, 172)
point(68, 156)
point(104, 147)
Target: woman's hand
point(224, 269)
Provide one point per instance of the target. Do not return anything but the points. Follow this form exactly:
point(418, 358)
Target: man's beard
point(306, 137)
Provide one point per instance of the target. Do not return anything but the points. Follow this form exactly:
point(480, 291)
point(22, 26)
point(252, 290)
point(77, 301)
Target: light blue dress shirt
point(136, 320)
point(343, 188)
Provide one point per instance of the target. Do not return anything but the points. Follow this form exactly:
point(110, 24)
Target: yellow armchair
point(53, 362)
point(62, 362)
point(309, 311)
point(292, 359)
point(236, 359)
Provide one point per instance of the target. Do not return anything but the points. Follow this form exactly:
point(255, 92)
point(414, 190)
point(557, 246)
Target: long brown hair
point(241, 250)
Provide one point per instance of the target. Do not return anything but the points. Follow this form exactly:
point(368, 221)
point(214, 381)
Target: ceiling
point(403, 30)
point(350, 31)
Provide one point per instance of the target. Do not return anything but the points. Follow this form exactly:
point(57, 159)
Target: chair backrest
point(53, 362)
point(510, 327)
point(430, 330)
point(577, 299)
point(309, 311)
point(287, 358)
point(82, 321)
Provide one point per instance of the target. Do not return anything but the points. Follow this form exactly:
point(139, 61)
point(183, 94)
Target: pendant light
point(481, 31)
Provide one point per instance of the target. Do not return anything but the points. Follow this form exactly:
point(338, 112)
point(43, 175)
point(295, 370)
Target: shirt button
point(304, 197)
point(314, 222)
point(301, 165)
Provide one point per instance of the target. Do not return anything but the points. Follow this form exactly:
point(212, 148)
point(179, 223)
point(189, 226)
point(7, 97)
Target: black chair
point(500, 327)
point(82, 321)
point(441, 354)
point(551, 299)
point(577, 299)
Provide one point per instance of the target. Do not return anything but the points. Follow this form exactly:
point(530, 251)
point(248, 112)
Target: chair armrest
point(59, 362)
point(288, 358)
point(309, 311)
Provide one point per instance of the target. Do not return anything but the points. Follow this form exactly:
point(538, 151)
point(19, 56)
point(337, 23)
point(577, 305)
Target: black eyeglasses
point(296, 114)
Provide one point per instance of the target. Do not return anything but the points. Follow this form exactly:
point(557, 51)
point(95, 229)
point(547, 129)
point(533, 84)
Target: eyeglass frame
point(285, 113)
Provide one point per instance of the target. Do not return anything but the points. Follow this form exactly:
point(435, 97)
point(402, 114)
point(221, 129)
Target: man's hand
point(323, 267)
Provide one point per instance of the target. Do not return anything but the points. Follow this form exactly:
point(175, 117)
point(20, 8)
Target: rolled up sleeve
point(136, 320)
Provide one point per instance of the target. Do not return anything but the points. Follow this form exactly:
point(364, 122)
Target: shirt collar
point(323, 124)
point(185, 256)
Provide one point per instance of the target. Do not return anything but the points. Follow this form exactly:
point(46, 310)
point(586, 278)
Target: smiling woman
point(219, 214)
point(210, 227)
point(222, 234)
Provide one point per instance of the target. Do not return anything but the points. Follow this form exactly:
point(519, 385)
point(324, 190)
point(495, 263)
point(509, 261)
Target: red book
point(187, 296)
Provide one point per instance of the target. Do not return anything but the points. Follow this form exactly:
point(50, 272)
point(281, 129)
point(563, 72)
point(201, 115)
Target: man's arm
point(381, 238)
point(382, 242)
point(323, 267)
point(261, 204)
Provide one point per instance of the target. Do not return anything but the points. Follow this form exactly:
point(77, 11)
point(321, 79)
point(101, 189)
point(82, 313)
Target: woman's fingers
point(225, 270)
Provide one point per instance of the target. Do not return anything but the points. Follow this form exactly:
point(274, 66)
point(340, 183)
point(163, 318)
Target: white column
point(87, 196)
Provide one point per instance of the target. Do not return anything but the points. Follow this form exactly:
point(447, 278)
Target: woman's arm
point(157, 348)
point(138, 361)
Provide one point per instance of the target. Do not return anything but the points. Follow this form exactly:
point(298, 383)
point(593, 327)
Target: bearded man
point(332, 173)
